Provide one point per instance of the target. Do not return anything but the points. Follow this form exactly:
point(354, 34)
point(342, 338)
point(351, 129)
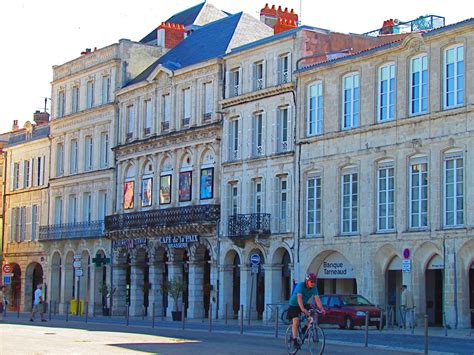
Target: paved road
point(45, 338)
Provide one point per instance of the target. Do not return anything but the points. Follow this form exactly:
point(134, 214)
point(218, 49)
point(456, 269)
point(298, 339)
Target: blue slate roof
point(209, 41)
point(39, 132)
point(185, 18)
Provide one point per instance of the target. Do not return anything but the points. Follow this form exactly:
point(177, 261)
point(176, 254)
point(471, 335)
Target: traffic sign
point(7, 268)
point(7, 280)
point(255, 259)
point(76, 264)
point(255, 268)
point(406, 253)
point(79, 272)
point(406, 265)
point(77, 257)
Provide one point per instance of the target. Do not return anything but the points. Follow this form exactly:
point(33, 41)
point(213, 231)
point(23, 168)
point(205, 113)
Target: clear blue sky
point(35, 35)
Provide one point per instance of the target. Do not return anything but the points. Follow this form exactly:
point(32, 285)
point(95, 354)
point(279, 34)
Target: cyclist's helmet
point(310, 277)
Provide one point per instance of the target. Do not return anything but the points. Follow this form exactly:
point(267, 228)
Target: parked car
point(348, 310)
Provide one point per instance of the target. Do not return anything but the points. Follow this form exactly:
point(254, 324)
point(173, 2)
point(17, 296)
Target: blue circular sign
point(255, 259)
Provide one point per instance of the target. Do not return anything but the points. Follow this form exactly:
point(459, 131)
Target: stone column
point(119, 276)
point(175, 270)
point(92, 290)
point(136, 288)
point(226, 290)
point(196, 302)
point(155, 297)
point(273, 288)
point(248, 292)
point(449, 287)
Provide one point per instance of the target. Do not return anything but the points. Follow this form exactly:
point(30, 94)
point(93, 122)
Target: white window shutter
point(290, 129)
point(264, 132)
point(264, 73)
point(241, 81)
point(277, 70)
point(290, 68)
point(276, 129)
point(251, 142)
point(228, 87)
point(42, 169)
point(28, 223)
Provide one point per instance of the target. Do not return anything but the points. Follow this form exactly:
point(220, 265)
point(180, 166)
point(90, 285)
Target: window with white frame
point(257, 139)
point(73, 153)
point(34, 222)
point(283, 203)
point(284, 68)
point(257, 197)
point(234, 139)
point(61, 103)
point(16, 176)
point(90, 94)
point(75, 99)
point(386, 197)
point(454, 76)
point(418, 208)
point(350, 202)
point(105, 89)
point(14, 225)
point(26, 173)
point(102, 207)
point(350, 101)
point(234, 83)
point(315, 109)
point(87, 207)
point(130, 117)
point(166, 109)
point(88, 153)
point(258, 75)
point(147, 117)
point(186, 106)
point(72, 209)
point(454, 189)
point(104, 149)
point(40, 170)
point(59, 159)
point(386, 97)
point(208, 101)
point(58, 210)
point(234, 198)
point(313, 205)
point(283, 129)
point(419, 85)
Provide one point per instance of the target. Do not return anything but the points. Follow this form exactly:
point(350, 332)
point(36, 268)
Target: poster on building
point(147, 185)
point(185, 186)
point(165, 189)
point(207, 183)
point(128, 195)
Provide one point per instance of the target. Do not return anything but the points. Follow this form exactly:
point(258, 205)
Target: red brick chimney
point(41, 117)
point(15, 126)
point(280, 20)
point(170, 34)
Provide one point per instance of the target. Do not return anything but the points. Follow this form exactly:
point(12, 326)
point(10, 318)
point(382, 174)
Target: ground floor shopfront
point(439, 272)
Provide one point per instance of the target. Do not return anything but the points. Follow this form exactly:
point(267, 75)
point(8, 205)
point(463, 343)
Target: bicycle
point(314, 334)
point(284, 318)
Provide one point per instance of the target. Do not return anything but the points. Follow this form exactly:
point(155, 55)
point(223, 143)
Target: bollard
point(412, 320)
point(153, 315)
point(241, 319)
point(210, 317)
point(225, 314)
point(143, 313)
point(381, 320)
point(93, 311)
point(67, 311)
point(366, 329)
point(276, 322)
point(87, 311)
point(163, 313)
point(55, 307)
point(182, 315)
point(128, 314)
point(18, 311)
point(250, 313)
point(445, 325)
point(49, 310)
point(426, 334)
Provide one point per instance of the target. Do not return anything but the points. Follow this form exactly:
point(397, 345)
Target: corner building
point(385, 141)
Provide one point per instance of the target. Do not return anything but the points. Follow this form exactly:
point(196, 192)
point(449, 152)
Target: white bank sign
point(336, 267)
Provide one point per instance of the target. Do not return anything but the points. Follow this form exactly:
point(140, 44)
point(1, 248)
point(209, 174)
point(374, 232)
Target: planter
point(105, 311)
point(176, 315)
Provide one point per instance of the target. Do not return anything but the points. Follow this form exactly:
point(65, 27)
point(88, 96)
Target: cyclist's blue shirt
point(307, 293)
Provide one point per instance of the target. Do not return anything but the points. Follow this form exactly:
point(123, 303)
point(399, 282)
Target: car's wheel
point(349, 324)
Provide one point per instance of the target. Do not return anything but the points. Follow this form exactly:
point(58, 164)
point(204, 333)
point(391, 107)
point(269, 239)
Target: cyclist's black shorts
point(295, 311)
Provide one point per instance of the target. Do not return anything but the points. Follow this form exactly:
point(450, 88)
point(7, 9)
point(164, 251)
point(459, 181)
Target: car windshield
point(355, 300)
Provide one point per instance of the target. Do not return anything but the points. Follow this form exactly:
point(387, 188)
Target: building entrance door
point(434, 290)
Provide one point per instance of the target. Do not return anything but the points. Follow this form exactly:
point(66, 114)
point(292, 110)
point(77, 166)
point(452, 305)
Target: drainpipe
point(455, 290)
point(4, 199)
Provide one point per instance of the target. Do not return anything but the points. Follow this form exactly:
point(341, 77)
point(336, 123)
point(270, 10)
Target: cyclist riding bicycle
point(303, 294)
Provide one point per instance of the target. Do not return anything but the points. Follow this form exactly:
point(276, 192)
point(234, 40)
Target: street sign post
point(7, 268)
point(7, 279)
point(79, 272)
point(255, 259)
point(76, 264)
point(406, 265)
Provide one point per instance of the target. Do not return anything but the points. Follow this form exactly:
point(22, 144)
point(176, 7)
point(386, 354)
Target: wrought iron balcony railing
point(429, 22)
point(78, 230)
point(166, 217)
point(249, 224)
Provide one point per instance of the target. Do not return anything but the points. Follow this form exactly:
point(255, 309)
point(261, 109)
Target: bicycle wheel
point(316, 340)
point(290, 345)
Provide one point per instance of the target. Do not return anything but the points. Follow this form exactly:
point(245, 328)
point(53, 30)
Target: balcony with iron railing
point(428, 22)
point(165, 217)
point(165, 125)
point(247, 225)
point(77, 230)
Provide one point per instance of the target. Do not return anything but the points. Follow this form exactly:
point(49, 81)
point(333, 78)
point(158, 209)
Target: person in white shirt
point(38, 304)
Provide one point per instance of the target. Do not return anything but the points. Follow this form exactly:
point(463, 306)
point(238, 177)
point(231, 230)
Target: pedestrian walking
point(407, 306)
point(3, 302)
point(38, 304)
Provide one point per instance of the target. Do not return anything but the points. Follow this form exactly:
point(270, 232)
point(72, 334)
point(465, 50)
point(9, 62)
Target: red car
point(348, 311)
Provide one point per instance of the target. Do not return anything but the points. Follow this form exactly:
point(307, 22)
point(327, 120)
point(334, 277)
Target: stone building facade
point(26, 191)
point(385, 177)
point(83, 133)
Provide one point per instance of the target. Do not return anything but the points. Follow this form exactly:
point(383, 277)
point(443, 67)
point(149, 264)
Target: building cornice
point(257, 95)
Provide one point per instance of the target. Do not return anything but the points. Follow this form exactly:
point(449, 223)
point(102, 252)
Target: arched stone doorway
point(69, 286)
point(138, 282)
point(101, 285)
point(230, 285)
point(434, 289)
point(15, 288)
point(55, 286)
point(34, 277)
point(394, 282)
point(335, 274)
